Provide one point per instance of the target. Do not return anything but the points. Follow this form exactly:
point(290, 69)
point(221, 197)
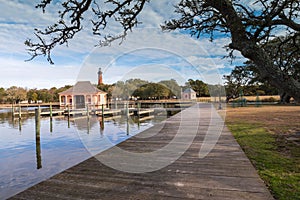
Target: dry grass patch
point(270, 136)
point(280, 120)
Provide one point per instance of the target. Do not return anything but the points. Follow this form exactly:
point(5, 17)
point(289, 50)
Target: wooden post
point(51, 125)
point(138, 114)
point(20, 124)
point(68, 111)
point(138, 109)
point(127, 131)
point(38, 138)
point(102, 123)
point(127, 117)
point(37, 120)
point(88, 125)
point(68, 116)
point(102, 111)
point(127, 110)
point(87, 110)
point(20, 111)
point(13, 110)
point(51, 110)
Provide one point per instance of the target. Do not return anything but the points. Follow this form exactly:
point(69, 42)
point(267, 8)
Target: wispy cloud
point(145, 46)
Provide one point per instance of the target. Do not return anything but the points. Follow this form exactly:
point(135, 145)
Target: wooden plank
point(109, 112)
point(146, 118)
point(147, 111)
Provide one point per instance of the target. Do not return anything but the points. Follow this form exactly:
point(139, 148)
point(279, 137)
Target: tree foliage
point(16, 94)
point(173, 87)
point(199, 87)
point(141, 89)
point(2, 95)
point(250, 25)
point(245, 79)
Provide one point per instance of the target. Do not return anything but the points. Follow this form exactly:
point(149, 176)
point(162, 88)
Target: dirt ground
point(283, 121)
point(280, 119)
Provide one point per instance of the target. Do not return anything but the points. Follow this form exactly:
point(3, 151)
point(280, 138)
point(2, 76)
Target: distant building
point(188, 94)
point(81, 94)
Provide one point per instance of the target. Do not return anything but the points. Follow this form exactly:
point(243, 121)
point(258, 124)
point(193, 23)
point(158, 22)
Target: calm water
point(26, 161)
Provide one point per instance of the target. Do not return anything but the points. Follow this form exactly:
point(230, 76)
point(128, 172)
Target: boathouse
point(188, 94)
point(81, 94)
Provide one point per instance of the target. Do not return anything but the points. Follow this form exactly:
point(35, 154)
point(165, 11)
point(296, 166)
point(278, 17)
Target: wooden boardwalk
point(225, 173)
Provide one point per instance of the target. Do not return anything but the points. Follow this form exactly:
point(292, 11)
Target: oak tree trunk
point(249, 49)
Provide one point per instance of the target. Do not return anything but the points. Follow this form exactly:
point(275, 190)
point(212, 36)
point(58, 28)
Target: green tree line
point(16, 94)
point(240, 80)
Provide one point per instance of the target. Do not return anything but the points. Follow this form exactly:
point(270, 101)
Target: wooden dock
point(43, 113)
point(139, 112)
point(146, 118)
point(109, 112)
point(225, 173)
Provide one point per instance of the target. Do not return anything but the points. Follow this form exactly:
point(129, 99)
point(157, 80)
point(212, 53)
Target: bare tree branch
point(70, 23)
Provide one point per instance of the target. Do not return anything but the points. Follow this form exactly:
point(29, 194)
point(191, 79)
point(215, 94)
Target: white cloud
point(17, 21)
point(146, 47)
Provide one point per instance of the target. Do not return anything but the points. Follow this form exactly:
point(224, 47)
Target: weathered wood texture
point(225, 173)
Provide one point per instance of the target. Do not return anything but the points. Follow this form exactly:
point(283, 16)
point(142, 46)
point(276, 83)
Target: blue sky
point(147, 52)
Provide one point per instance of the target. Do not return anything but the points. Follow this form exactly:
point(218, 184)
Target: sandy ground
point(283, 121)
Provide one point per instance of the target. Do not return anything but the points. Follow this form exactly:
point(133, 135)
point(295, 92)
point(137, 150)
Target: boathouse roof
point(82, 87)
point(189, 90)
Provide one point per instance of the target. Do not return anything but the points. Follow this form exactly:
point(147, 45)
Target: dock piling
point(51, 125)
point(68, 116)
point(38, 138)
point(51, 111)
point(87, 111)
point(12, 110)
point(20, 125)
point(20, 111)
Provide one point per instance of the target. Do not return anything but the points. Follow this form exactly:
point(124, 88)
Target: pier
point(43, 113)
point(19, 112)
point(198, 173)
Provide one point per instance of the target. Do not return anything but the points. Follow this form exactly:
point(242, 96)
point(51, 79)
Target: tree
point(16, 94)
point(249, 25)
point(106, 88)
point(236, 82)
point(2, 95)
point(287, 60)
point(32, 95)
point(199, 87)
point(172, 85)
point(153, 91)
point(246, 79)
point(127, 89)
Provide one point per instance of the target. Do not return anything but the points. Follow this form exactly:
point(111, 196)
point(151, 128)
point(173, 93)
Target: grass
point(269, 137)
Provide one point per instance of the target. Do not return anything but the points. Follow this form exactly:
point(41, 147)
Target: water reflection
point(32, 150)
point(38, 151)
point(20, 124)
point(51, 124)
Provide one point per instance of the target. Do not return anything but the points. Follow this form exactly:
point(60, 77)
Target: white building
point(81, 94)
point(188, 94)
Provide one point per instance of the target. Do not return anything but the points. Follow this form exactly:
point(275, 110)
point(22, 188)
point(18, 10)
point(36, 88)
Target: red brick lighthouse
point(100, 81)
